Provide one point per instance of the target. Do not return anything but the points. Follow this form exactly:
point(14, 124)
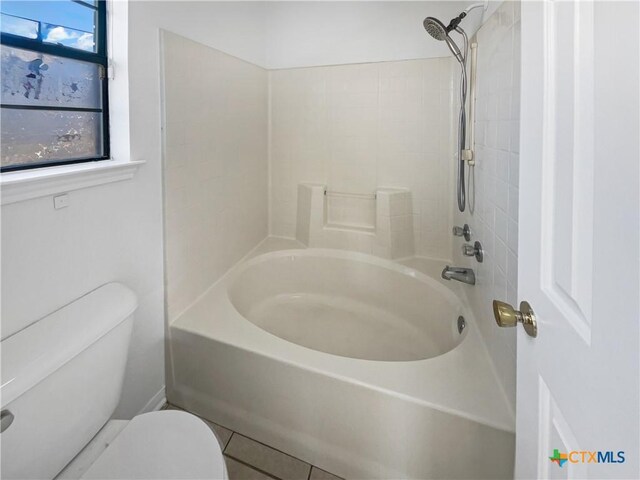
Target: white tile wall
point(215, 165)
point(495, 220)
point(354, 128)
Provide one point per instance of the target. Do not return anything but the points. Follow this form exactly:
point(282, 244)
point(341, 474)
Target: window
point(54, 102)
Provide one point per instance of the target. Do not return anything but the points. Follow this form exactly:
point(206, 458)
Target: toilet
point(61, 382)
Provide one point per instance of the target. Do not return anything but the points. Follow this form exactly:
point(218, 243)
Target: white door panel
point(579, 243)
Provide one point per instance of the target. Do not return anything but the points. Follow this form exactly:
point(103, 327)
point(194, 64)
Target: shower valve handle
point(474, 250)
point(464, 231)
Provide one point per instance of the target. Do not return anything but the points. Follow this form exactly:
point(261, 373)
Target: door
point(578, 381)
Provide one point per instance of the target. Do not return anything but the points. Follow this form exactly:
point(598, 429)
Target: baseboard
point(155, 403)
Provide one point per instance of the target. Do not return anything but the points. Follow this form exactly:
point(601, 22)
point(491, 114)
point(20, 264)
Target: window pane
point(63, 22)
point(32, 78)
point(19, 26)
point(67, 37)
point(40, 136)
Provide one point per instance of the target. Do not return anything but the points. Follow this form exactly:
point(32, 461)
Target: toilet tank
point(61, 381)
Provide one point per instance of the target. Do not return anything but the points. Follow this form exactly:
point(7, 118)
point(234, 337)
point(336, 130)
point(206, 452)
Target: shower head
point(437, 30)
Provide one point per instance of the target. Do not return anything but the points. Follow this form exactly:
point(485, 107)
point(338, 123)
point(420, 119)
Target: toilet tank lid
point(36, 352)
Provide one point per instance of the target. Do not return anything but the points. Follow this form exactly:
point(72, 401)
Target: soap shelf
point(371, 196)
point(347, 227)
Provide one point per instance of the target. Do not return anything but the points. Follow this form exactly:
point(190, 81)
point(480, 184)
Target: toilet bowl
point(169, 444)
point(60, 383)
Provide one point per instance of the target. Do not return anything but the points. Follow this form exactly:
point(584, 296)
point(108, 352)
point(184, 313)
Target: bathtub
point(353, 363)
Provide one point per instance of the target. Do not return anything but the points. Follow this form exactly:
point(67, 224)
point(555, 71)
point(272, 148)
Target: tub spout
point(464, 275)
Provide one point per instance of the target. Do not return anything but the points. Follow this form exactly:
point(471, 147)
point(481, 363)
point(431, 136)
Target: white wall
point(354, 128)
point(495, 220)
point(215, 165)
point(108, 233)
point(302, 34)
point(236, 28)
point(293, 34)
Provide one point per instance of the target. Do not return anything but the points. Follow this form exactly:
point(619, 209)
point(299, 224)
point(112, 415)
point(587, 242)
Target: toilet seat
point(169, 444)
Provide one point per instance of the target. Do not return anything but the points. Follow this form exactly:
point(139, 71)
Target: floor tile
point(239, 471)
point(267, 459)
point(222, 434)
point(317, 474)
point(243, 453)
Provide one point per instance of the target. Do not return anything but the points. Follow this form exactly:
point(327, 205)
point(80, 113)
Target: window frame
point(98, 57)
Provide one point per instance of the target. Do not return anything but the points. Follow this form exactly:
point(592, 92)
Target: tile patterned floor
point(248, 459)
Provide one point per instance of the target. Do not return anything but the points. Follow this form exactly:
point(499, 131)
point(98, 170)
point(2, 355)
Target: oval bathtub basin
point(347, 304)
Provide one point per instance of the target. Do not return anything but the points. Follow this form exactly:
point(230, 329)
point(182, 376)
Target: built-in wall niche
point(379, 224)
point(351, 211)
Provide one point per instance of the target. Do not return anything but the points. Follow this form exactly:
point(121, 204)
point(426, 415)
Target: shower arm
point(455, 21)
point(483, 5)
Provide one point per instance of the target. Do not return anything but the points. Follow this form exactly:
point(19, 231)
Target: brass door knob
point(6, 419)
point(507, 316)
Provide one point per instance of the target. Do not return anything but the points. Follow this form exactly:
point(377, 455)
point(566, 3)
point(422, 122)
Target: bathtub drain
point(461, 324)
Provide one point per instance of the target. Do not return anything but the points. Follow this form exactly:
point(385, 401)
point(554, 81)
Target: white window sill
point(27, 184)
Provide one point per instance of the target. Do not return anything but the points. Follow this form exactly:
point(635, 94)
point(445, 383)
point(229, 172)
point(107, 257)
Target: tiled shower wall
point(215, 165)
point(357, 127)
point(495, 220)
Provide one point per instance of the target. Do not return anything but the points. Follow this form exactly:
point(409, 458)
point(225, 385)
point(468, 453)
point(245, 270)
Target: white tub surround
point(215, 165)
point(355, 128)
point(379, 223)
point(416, 417)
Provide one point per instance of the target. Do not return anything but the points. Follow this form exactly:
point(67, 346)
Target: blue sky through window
point(63, 21)
point(64, 12)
